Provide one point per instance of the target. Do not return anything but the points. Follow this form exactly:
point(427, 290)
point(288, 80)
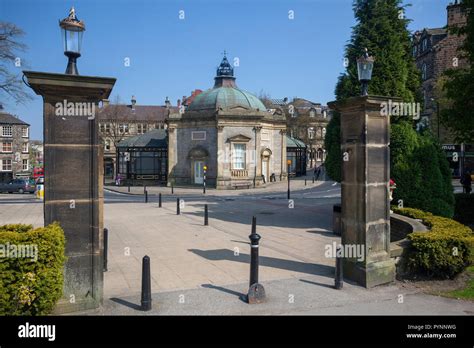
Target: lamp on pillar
point(365, 65)
point(72, 30)
point(71, 141)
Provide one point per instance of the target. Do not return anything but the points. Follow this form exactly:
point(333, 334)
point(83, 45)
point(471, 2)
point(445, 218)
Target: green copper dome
point(225, 93)
point(225, 98)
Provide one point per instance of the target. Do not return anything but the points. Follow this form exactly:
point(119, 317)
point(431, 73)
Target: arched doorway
point(265, 157)
point(198, 156)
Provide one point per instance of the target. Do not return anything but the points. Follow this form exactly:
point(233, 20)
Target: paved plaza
point(200, 269)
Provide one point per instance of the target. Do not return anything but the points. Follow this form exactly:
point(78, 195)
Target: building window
point(325, 113)
point(7, 131)
point(7, 146)
point(238, 157)
point(198, 135)
point(24, 147)
point(123, 128)
point(25, 165)
point(141, 128)
point(424, 74)
point(324, 131)
point(312, 113)
point(7, 165)
point(24, 132)
point(425, 44)
point(107, 145)
point(414, 51)
point(311, 132)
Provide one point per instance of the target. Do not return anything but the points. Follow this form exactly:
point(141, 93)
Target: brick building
point(306, 121)
point(436, 50)
point(118, 122)
point(14, 147)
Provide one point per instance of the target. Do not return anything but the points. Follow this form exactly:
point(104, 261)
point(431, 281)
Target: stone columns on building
point(258, 158)
point(284, 166)
point(221, 155)
point(172, 148)
point(365, 137)
point(73, 179)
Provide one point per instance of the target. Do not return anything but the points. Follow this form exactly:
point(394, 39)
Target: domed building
point(229, 131)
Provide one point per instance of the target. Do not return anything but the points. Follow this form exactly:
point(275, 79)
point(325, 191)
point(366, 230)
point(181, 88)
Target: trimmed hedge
point(442, 252)
point(464, 208)
point(29, 287)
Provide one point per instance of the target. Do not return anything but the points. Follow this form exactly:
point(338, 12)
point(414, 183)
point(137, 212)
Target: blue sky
point(171, 57)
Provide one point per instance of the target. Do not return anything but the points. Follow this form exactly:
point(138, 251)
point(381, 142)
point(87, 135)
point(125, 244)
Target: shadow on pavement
point(242, 297)
point(316, 283)
point(289, 265)
point(126, 303)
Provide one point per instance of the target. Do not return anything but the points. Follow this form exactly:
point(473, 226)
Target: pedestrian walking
point(466, 181)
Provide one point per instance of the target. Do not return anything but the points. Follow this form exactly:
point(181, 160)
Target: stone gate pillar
point(365, 138)
point(73, 178)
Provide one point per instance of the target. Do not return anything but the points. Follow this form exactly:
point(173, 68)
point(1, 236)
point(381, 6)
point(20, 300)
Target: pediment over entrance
point(198, 152)
point(239, 138)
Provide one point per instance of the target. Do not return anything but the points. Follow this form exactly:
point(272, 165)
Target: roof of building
point(153, 138)
point(293, 142)
point(10, 119)
point(151, 113)
point(225, 94)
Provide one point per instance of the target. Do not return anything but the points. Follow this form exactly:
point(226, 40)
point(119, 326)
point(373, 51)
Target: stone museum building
point(229, 131)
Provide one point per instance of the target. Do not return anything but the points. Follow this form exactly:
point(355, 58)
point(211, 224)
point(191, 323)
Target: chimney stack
point(134, 101)
point(179, 103)
point(167, 102)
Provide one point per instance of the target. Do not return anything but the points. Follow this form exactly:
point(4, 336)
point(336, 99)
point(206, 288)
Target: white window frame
point(23, 147)
point(2, 164)
point(311, 133)
point(25, 132)
point(7, 134)
point(198, 135)
point(11, 147)
point(23, 164)
point(239, 162)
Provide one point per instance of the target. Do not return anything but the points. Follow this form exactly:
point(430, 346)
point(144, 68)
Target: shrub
point(464, 208)
point(442, 252)
point(29, 286)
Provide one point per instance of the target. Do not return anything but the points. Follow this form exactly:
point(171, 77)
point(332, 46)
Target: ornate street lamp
point(365, 65)
point(72, 30)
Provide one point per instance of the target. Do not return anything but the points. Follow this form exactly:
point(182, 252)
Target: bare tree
point(11, 85)
point(114, 118)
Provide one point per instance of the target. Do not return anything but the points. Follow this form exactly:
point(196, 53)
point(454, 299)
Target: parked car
point(18, 185)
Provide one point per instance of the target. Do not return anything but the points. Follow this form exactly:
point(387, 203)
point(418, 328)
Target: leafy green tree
point(418, 166)
point(458, 115)
point(382, 28)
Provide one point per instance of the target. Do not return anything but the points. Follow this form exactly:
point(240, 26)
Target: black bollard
point(146, 284)
point(338, 281)
point(206, 216)
point(177, 207)
point(128, 187)
point(144, 188)
point(304, 182)
point(172, 189)
point(159, 200)
point(106, 247)
point(313, 179)
point(146, 196)
point(256, 292)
